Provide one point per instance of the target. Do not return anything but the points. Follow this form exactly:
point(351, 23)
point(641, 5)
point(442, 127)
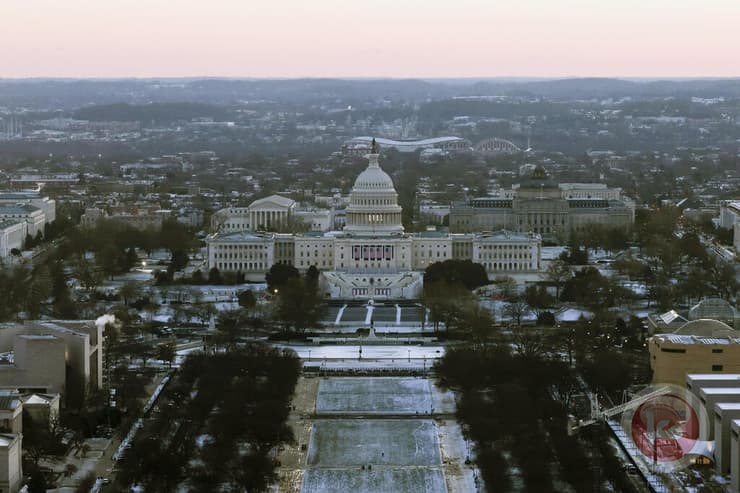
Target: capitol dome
point(373, 178)
point(373, 203)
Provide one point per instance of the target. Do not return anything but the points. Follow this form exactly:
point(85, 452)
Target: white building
point(273, 213)
point(33, 216)
point(729, 213)
point(434, 213)
point(729, 217)
point(735, 452)
point(372, 257)
point(47, 205)
point(43, 408)
point(505, 251)
point(720, 396)
point(11, 470)
point(316, 219)
point(723, 416)
point(12, 235)
point(270, 213)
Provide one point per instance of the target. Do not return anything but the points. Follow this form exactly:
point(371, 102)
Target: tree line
point(240, 401)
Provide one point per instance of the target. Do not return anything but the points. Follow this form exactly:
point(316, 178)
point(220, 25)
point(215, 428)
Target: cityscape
point(411, 274)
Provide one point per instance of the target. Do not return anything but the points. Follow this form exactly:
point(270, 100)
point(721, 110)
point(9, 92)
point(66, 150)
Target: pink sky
point(375, 38)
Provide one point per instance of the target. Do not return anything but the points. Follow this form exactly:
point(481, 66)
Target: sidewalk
point(99, 459)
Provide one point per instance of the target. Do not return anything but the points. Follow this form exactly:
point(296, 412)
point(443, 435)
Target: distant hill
point(589, 88)
point(70, 94)
point(161, 113)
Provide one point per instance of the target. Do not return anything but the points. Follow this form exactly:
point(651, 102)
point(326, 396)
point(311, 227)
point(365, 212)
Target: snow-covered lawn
point(384, 480)
point(388, 442)
point(385, 453)
point(382, 395)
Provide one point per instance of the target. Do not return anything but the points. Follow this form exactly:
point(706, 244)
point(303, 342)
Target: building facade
point(372, 257)
point(44, 351)
point(729, 213)
point(47, 205)
point(541, 206)
point(11, 468)
point(729, 218)
point(268, 214)
point(699, 346)
point(12, 235)
point(33, 216)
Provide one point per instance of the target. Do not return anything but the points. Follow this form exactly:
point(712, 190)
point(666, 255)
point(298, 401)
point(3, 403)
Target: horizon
point(370, 78)
point(429, 39)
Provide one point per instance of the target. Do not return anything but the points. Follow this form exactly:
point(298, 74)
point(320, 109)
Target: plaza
point(405, 440)
point(380, 395)
point(370, 455)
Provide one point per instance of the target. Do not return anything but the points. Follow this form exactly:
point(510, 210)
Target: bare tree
point(218, 220)
point(558, 272)
point(517, 308)
point(529, 343)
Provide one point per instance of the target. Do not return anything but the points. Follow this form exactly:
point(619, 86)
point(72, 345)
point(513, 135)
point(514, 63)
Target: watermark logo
point(668, 426)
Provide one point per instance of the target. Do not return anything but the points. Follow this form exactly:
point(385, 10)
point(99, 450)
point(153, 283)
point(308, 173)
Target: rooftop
point(273, 199)
point(691, 339)
point(728, 406)
point(9, 401)
point(720, 390)
point(8, 223)
point(421, 142)
point(18, 209)
point(242, 236)
point(19, 195)
point(504, 235)
point(7, 439)
point(44, 399)
point(37, 336)
point(713, 376)
point(707, 327)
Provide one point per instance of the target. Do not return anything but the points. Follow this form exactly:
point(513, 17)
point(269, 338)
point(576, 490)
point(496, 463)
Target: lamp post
point(309, 355)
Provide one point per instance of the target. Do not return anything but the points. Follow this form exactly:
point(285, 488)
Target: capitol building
point(372, 257)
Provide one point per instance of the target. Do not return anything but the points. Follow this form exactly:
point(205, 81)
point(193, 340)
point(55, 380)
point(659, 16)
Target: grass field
point(374, 481)
point(381, 396)
point(344, 442)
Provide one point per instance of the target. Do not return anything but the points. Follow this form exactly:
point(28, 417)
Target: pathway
point(340, 313)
